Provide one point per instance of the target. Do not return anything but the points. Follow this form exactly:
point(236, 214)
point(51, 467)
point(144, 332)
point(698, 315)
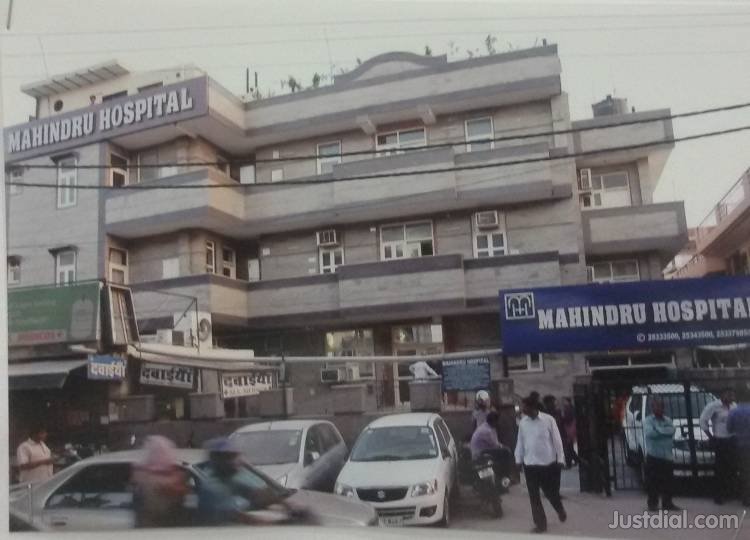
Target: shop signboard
point(635, 315)
point(49, 315)
point(246, 383)
point(107, 367)
point(167, 375)
point(466, 374)
point(114, 118)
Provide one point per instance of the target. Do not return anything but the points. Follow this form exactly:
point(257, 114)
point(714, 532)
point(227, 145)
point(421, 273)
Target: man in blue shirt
point(658, 432)
point(485, 436)
point(738, 426)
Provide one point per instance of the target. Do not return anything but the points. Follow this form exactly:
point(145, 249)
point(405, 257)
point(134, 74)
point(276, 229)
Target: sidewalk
point(591, 515)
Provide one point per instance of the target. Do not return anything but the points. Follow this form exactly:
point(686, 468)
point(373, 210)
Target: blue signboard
point(466, 374)
point(635, 315)
point(107, 368)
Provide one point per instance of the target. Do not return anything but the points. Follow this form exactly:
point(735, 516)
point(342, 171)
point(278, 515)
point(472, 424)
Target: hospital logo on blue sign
point(519, 306)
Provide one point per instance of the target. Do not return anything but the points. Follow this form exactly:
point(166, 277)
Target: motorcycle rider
point(482, 407)
point(484, 440)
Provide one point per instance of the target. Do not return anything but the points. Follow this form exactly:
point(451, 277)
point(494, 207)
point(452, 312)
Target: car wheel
point(446, 519)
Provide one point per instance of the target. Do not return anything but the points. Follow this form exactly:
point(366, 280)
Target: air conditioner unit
point(590, 274)
point(584, 180)
point(486, 220)
point(332, 375)
point(170, 337)
point(352, 373)
point(196, 328)
point(327, 238)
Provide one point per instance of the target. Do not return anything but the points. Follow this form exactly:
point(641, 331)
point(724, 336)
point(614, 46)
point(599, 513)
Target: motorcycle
point(490, 476)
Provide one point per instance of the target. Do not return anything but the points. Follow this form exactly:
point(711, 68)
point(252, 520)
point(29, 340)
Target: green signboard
point(43, 315)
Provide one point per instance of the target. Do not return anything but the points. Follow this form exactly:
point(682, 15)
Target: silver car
point(299, 454)
point(95, 494)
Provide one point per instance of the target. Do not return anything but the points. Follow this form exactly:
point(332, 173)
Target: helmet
point(223, 445)
point(483, 396)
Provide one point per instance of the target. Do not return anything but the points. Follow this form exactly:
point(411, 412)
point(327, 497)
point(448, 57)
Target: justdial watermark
point(675, 520)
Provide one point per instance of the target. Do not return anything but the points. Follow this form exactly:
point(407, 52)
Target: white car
point(405, 465)
point(675, 407)
point(298, 454)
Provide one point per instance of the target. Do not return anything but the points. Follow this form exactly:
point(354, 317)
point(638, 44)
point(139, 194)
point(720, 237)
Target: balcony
point(727, 226)
point(700, 266)
point(272, 208)
point(655, 227)
point(137, 213)
point(389, 290)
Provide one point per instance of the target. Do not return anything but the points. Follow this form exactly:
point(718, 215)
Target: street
point(589, 514)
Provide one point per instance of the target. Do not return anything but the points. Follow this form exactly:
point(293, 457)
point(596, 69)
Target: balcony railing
point(737, 194)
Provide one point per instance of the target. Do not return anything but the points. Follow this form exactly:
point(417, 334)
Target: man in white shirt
point(540, 452)
point(422, 370)
point(34, 459)
point(717, 413)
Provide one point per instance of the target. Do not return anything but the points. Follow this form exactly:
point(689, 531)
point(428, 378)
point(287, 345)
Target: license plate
point(485, 473)
point(392, 521)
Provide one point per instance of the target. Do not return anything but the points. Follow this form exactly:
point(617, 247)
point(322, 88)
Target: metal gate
point(611, 407)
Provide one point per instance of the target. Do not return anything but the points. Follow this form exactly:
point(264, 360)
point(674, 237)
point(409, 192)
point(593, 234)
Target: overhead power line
point(395, 174)
point(355, 22)
point(430, 146)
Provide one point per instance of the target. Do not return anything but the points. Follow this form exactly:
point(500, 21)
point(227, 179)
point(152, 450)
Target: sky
point(682, 55)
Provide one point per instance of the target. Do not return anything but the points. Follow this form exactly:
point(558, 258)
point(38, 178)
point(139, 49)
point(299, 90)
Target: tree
point(489, 43)
point(427, 50)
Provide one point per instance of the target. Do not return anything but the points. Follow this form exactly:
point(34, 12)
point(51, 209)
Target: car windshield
point(395, 444)
point(269, 447)
point(251, 478)
point(675, 405)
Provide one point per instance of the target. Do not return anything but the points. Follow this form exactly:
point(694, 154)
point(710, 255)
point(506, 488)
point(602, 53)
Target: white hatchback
point(405, 466)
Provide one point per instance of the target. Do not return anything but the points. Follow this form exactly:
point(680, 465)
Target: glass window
point(118, 266)
point(614, 271)
point(65, 267)
point(492, 241)
point(210, 257)
point(147, 161)
point(67, 180)
point(15, 176)
point(352, 343)
point(14, 270)
point(330, 259)
point(170, 268)
point(395, 444)
point(269, 447)
point(329, 154)
point(96, 487)
point(407, 241)
point(118, 171)
point(479, 129)
point(229, 262)
point(391, 142)
point(528, 362)
point(607, 190)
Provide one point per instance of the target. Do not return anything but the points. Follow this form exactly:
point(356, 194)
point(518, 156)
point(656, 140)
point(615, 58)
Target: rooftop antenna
point(328, 47)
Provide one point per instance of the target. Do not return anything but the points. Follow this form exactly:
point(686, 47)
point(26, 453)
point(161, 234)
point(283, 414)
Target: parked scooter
point(489, 476)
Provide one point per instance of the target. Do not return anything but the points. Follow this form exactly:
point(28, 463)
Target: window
point(67, 180)
point(490, 241)
point(149, 163)
point(210, 257)
point(153, 86)
point(96, 487)
point(329, 154)
point(352, 343)
point(330, 259)
point(614, 271)
point(277, 175)
point(479, 129)
point(406, 241)
point(528, 362)
point(118, 266)
point(606, 191)
point(116, 95)
point(14, 270)
point(15, 177)
point(118, 173)
point(65, 267)
point(170, 268)
point(229, 263)
point(392, 142)
point(253, 270)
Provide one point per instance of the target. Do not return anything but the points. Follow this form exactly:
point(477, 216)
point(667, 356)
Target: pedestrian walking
point(33, 458)
point(713, 422)
point(571, 433)
point(160, 487)
point(658, 432)
point(539, 451)
point(739, 426)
